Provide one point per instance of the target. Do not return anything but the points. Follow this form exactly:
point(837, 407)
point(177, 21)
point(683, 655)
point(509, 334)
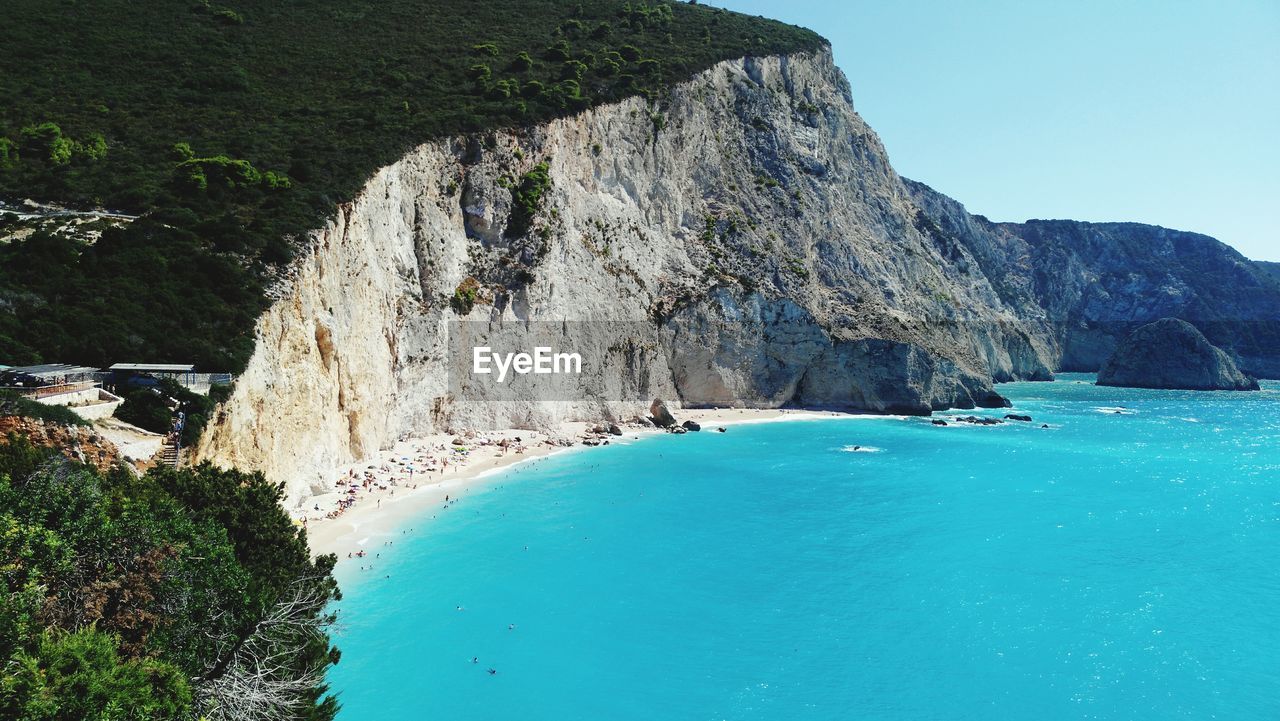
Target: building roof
point(47, 370)
point(154, 367)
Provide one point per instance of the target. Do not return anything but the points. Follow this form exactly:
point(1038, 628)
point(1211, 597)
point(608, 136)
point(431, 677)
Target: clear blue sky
point(1155, 111)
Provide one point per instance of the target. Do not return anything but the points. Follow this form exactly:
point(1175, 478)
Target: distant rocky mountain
point(1171, 354)
point(1272, 269)
point(1094, 283)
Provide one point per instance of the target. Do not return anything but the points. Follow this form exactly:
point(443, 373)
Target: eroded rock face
point(1172, 354)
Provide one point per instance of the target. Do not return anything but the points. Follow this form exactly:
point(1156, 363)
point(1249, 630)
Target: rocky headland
point(744, 242)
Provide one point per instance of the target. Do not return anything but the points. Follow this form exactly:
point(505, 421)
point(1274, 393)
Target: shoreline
point(379, 511)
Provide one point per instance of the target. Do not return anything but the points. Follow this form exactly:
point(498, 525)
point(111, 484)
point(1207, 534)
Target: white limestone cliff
point(747, 230)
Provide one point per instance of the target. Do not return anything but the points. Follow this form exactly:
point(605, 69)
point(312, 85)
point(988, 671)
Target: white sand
point(377, 512)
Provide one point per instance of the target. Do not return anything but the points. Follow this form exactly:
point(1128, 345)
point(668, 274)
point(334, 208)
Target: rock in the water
point(993, 400)
point(979, 421)
point(677, 429)
point(659, 414)
point(691, 426)
point(1018, 417)
point(938, 422)
point(720, 429)
point(1172, 354)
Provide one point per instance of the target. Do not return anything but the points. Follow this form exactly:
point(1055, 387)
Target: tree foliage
point(79, 675)
point(176, 595)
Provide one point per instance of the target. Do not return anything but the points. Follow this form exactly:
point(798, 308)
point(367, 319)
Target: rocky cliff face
point(1094, 283)
point(1170, 353)
point(742, 241)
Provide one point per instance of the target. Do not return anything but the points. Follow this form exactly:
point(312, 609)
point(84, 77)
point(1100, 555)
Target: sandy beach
point(383, 493)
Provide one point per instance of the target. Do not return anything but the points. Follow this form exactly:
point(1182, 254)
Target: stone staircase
point(171, 455)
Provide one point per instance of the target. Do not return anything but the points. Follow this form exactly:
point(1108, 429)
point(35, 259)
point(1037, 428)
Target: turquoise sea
point(1116, 565)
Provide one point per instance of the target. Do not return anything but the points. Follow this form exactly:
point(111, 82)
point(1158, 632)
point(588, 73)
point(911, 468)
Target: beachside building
point(60, 384)
point(46, 378)
point(146, 374)
point(183, 373)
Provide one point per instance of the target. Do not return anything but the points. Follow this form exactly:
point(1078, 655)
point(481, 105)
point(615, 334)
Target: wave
point(1116, 410)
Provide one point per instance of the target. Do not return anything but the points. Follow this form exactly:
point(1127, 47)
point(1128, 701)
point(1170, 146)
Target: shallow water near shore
point(1120, 564)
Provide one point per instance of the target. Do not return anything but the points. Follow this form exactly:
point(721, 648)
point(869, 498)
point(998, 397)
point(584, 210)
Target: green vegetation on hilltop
point(178, 595)
point(236, 126)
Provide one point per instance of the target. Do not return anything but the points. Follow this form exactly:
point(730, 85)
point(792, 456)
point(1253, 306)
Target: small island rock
point(1172, 354)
